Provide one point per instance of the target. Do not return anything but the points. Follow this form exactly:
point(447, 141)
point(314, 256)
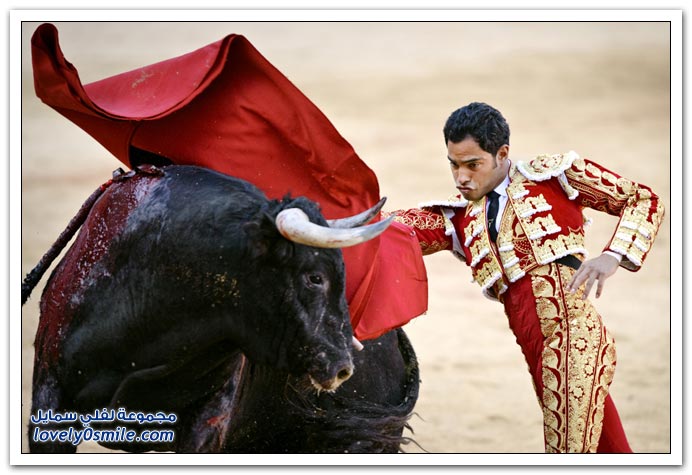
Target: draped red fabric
point(225, 107)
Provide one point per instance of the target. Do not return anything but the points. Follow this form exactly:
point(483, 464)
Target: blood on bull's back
point(67, 283)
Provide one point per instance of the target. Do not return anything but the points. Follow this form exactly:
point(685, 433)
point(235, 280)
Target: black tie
point(493, 206)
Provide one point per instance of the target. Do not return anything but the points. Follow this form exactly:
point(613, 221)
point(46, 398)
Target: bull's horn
point(294, 225)
point(359, 219)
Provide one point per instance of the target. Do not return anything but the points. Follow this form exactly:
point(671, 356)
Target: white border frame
point(675, 215)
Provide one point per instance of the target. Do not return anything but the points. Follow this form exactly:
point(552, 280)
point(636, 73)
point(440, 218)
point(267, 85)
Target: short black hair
point(483, 123)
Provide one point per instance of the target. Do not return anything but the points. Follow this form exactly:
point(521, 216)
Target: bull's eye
point(314, 280)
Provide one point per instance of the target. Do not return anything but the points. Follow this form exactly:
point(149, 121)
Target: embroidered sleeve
point(429, 226)
point(639, 208)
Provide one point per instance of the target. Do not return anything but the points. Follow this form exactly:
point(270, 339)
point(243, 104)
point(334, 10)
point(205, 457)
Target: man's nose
point(460, 178)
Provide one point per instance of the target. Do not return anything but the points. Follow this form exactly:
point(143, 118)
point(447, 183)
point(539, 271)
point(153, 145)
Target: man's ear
point(502, 153)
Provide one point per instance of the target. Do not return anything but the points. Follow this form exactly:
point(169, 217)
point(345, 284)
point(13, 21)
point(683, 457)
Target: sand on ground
point(601, 89)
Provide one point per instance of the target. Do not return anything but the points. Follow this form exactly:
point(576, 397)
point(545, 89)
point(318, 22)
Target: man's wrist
point(614, 254)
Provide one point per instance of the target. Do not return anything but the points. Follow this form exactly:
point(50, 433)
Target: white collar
point(501, 189)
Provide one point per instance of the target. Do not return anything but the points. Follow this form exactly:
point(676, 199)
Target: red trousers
point(571, 357)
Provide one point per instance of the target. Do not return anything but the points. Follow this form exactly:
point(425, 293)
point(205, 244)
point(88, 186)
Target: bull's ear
point(257, 238)
point(264, 240)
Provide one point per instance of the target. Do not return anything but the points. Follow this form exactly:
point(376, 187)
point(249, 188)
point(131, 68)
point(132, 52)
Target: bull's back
point(130, 206)
point(74, 273)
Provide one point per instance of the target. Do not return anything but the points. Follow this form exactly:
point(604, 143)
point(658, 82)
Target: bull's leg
point(176, 384)
point(205, 429)
point(47, 395)
point(179, 387)
point(135, 392)
point(134, 386)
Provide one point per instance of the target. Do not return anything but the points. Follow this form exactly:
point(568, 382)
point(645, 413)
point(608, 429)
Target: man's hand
point(592, 270)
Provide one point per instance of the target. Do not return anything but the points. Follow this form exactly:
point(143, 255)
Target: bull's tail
point(33, 277)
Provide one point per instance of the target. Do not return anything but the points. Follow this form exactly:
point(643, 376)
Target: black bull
point(179, 296)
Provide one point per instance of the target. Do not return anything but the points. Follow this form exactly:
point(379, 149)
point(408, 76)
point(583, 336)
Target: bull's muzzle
point(326, 376)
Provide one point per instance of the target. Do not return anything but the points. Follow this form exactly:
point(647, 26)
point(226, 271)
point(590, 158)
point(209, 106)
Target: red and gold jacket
point(543, 220)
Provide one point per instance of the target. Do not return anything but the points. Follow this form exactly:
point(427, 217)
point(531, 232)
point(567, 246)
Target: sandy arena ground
point(601, 89)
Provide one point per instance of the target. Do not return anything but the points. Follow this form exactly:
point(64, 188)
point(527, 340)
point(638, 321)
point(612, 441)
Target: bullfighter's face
point(475, 171)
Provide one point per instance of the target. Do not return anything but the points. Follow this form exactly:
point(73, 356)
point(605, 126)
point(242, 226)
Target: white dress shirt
point(501, 190)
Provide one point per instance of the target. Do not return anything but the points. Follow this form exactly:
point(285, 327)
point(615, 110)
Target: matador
point(530, 256)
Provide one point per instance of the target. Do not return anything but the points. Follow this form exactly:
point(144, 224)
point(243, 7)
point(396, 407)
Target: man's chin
point(471, 195)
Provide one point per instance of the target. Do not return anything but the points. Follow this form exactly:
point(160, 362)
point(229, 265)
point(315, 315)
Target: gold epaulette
point(544, 167)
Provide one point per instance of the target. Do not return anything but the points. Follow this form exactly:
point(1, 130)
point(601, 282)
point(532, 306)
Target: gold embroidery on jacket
point(423, 221)
point(512, 265)
point(449, 225)
point(640, 218)
point(433, 247)
point(489, 275)
point(569, 190)
point(531, 205)
point(538, 248)
point(476, 207)
point(553, 249)
point(546, 166)
point(473, 230)
point(541, 226)
point(479, 250)
point(506, 247)
point(636, 231)
point(517, 188)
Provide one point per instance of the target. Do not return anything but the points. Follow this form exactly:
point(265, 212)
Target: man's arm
point(429, 226)
point(640, 213)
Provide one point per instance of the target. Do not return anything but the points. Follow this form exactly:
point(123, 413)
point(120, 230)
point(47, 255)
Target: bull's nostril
point(344, 374)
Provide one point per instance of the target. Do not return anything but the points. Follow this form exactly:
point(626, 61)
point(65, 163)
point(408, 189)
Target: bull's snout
point(326, 376)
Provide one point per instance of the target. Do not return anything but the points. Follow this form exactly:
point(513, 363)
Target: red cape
point(225, 107)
